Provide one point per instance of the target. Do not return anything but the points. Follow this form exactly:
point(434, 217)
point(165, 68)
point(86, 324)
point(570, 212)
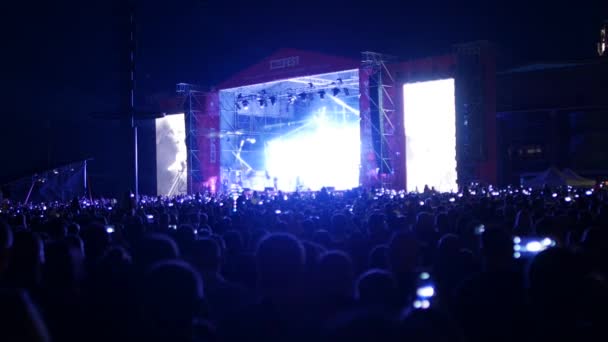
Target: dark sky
point(63, 60)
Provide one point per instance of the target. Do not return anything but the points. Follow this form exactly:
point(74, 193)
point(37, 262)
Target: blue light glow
point(425, 292)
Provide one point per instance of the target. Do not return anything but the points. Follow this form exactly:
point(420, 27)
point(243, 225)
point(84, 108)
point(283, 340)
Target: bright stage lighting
point(430, 131)
point(323, 154)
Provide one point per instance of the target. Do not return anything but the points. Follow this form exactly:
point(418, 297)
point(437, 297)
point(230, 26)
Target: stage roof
point(287, 64)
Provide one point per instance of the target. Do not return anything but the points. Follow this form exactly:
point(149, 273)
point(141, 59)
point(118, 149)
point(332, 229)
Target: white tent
point(556, 178)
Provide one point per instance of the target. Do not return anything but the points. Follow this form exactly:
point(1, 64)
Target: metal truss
point(381, 101)
point(193, 109)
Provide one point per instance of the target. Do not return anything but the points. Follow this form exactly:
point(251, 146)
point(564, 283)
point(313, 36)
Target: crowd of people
point(361, 265)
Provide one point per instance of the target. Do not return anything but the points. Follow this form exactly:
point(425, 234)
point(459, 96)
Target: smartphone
point(109, 229)
point(425, 292)
point(480, 229)
point(172, 226)
point(530, 246)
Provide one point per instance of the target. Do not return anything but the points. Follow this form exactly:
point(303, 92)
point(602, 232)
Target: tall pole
point(132, 47)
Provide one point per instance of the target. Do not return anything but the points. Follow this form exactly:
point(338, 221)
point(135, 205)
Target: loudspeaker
point(470, 84)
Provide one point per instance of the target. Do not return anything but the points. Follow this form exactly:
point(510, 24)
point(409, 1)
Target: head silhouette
point(377, 289)
point(154, 248)
point(496, 248)
point(336, 275)
point(206, 255)
point(172, 298)
point(280, 259)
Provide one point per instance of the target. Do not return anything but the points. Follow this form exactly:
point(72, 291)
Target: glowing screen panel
point(171, 165)
point(430, 135)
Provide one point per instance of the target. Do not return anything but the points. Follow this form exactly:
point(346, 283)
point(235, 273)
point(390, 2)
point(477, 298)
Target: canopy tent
point(556, 178)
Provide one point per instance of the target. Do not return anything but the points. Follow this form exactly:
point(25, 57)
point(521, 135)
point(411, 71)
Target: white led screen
point(430, 135)
point(171, 154)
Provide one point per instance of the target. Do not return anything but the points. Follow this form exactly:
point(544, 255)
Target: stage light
point(346, 92)
point(322, 94)
point(297, 158)
point(245, 104)
point(273, 100)
point(335, 91)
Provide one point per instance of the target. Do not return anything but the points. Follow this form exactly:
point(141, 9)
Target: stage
point(301, 121)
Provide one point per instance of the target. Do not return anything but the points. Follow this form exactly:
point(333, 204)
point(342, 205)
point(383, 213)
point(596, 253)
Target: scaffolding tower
point(382, 111)
point(193, 105)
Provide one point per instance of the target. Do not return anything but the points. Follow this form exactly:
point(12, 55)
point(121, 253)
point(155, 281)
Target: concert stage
point(302, 121)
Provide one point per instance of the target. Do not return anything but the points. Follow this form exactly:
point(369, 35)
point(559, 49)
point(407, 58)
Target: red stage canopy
point(289, 63)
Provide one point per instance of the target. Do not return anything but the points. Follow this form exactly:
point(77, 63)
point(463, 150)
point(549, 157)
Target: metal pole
point(132, 99)
point(85, 177)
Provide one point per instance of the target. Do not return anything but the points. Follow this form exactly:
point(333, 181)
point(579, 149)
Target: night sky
point(63, 60)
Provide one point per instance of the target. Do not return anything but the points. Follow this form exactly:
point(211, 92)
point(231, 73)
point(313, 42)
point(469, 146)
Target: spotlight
point(322, 94)
point(335, 91)
point(245, 104)
point(273, 100)
point(346, 92)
